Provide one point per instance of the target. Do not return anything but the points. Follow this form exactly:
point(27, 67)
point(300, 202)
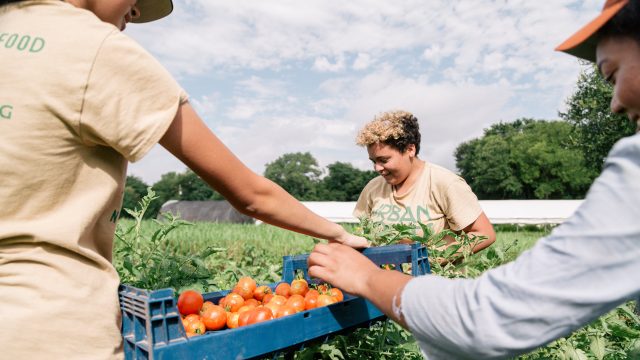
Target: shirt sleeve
point(130, 99)
point(459, 204)
point(585, 268)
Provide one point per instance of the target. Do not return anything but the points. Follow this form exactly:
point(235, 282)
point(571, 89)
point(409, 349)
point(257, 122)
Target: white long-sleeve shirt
point(587, 266)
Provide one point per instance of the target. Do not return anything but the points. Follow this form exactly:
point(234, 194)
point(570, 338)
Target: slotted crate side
point(152, 327)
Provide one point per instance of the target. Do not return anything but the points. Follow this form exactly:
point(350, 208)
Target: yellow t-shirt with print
point(79, 100)
point(439, 198)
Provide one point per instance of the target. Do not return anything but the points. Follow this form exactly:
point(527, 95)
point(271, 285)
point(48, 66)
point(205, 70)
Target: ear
point(411, 150)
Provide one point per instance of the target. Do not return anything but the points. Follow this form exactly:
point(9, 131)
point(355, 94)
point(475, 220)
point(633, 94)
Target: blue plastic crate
point(152, 327)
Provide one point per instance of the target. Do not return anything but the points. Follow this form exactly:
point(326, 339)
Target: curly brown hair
point(396, 128)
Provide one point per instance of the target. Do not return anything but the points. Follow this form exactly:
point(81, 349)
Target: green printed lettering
point(6, 111)
point(11, 41)
point(408, 216)
point(114, 216)
point(24, 41)
point(37, 45)
point(394, 215)
point(422, 210)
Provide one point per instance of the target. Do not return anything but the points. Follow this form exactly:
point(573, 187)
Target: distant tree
point(596, 127)
point(525, 159)
point(343, 182)
point(134, 190)
point(192, 187)
point(297, 173)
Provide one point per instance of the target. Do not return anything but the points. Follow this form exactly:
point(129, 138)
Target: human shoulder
point(440, 177)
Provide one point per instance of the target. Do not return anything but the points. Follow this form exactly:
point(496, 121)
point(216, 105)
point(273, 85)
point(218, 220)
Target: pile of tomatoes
point(249, 303)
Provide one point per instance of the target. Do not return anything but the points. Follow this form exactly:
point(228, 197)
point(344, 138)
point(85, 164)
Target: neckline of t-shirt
point(394, 192)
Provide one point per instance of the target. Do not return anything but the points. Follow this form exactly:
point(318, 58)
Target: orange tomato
point(233, 302)
point(245, 287)
point(336, 293)
point(232, 320)
point(190, 302)
point(299, 287)
point(283, 289)
point(273, 307)
point(278, 299)
point(195, 327)
point(260, 292)
point(296, 302)
point(310, 302)
point(322, 288)
point(267, 298)
point(205, 306)
point(251, 302)
point(214, 317)
point(285, 310)
point(324, 300)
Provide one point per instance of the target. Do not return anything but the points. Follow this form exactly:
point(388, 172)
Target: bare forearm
point(384, 287)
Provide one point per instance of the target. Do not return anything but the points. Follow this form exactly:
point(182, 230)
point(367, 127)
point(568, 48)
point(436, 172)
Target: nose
point(377, 167)
point(616, 106)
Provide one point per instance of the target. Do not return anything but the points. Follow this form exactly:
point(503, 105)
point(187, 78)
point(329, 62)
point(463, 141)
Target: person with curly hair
point(411, 190)
point(585, 268)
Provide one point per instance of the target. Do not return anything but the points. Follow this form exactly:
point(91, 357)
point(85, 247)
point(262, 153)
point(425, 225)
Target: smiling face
point(393, 165)
point(116, 12)
point(618, 60)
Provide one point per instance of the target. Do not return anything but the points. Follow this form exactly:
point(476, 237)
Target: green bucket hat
point(151, 10)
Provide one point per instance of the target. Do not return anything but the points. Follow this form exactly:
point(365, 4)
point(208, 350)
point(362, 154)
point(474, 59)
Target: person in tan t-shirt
point(79, 100)
point(411, 190)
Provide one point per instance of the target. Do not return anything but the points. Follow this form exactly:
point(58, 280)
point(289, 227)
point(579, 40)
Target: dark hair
point(626, 23)
point(411, 135)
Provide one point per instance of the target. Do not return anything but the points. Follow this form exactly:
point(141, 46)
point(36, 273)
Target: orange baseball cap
point(151, 10)
point(583, 43)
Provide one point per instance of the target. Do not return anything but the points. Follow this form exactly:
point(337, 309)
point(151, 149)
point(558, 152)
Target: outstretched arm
point(191, 141)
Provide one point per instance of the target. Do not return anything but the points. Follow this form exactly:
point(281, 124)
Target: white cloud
point(303, 76)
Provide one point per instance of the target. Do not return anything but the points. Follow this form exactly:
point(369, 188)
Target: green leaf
point(597, 346)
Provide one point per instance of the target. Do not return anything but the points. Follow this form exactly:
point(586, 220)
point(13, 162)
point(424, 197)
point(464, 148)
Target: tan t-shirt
point(439, 198)
point(78, 100)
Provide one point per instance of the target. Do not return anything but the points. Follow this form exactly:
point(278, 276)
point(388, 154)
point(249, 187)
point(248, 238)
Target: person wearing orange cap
point(585, 268)
point(78, 100)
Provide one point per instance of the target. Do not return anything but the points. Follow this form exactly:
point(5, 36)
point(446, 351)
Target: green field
point(212, 256)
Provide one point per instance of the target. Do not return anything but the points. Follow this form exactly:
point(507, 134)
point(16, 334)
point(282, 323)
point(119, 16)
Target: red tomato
point(260, 292)
point(259, 315)
point(233, 302)
point(214, 317)
point(205, 306)
point(296, 302)
point(336, 293)
point(324, 300)
point(299, 287)
point(251, 302)
point(190, 302)
point(283, 289)
point(243, 317)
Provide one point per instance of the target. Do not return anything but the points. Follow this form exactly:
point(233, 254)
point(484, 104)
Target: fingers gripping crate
point(152, 327)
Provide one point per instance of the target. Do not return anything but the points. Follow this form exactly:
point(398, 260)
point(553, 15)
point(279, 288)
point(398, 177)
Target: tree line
point(523, 159)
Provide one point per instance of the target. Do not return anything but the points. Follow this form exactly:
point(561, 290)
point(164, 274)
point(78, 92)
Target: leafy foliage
point(596, 128)
point(297, 173)
point(150, 262)
point(525, 159)
point(344, 182)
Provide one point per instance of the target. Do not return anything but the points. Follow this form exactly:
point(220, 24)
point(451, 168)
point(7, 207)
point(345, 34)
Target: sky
point(275, 77)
